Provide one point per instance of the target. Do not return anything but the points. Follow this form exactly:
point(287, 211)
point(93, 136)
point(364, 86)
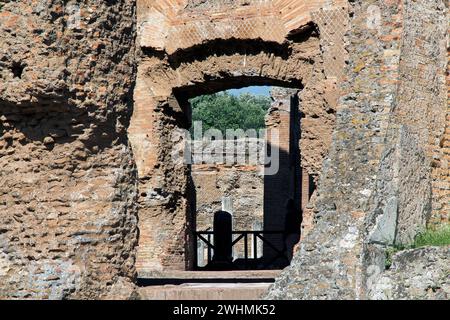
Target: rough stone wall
point(68, 181)
point(401, 214)
point(441, 173)
point(338, 259)
point(443, 192)
point(420, 274)
point(418, 134)
point(209, 5)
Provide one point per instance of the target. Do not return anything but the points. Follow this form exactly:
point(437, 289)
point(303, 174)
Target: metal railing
point(249, 262)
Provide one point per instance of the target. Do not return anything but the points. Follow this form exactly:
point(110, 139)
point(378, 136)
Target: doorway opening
point(165, 86)
point(246, 178)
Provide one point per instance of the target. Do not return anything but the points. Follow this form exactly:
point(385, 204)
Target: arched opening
point(165, 85)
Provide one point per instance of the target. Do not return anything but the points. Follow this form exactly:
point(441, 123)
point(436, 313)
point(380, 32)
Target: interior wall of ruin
point(243, 184)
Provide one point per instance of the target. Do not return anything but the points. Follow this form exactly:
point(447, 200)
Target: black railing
point(249, 262)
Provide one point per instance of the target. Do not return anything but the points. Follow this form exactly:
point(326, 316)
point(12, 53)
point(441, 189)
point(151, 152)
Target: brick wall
point(171, 25)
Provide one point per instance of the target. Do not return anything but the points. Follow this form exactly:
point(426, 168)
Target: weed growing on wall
point(434, 237)
point(439, 236)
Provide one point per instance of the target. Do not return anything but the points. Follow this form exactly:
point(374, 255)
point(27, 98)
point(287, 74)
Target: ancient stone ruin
point(93, 94)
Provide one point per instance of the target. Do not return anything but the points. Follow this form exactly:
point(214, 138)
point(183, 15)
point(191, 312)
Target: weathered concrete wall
point(375, 150)
point(67, 179)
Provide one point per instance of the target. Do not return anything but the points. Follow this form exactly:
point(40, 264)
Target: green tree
point(224, 111)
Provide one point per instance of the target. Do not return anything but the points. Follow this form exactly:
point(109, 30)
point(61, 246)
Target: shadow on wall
point(282, 191)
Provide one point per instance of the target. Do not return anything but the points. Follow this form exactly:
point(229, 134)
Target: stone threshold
point(178, 277)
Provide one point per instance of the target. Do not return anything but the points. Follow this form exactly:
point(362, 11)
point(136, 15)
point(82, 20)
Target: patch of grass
point(439, 236)
point(433, 237)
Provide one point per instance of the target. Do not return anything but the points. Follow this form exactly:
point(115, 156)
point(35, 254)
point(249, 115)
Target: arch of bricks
point(171, 25)
point(204, 51)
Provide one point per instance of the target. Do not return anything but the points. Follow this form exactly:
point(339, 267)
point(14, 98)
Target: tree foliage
point(224, 111)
